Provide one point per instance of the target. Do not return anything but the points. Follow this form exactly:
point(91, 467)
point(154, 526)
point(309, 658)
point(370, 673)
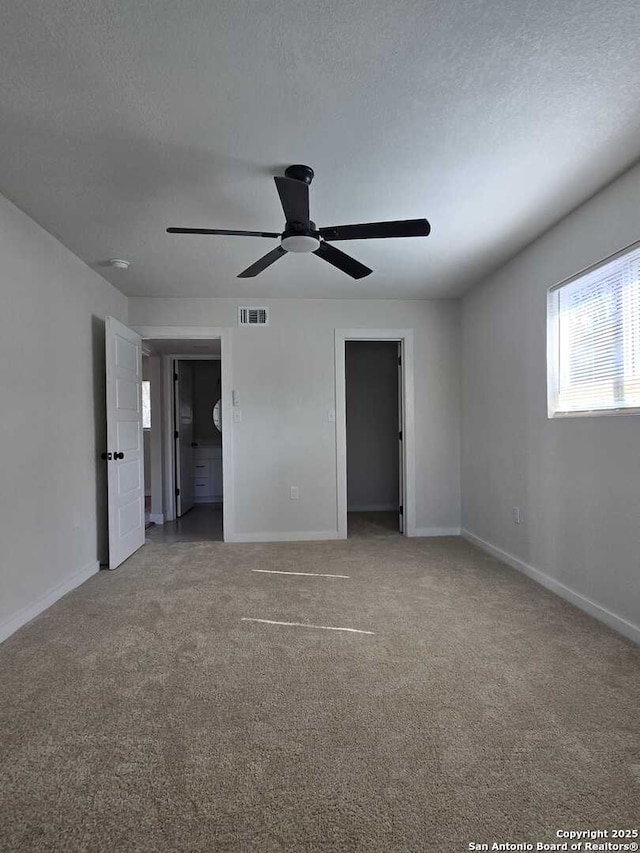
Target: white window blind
point(594, 338)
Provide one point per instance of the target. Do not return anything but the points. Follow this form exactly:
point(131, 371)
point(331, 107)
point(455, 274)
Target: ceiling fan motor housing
point(299, 173)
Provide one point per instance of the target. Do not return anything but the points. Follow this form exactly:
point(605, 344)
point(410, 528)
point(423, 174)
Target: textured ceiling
point(492, 118)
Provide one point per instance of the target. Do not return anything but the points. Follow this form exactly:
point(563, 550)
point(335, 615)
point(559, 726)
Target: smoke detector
point(119, 263)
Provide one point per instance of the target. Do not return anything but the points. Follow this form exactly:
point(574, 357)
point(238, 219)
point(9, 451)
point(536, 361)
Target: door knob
point(106, 456)
point(117, 455)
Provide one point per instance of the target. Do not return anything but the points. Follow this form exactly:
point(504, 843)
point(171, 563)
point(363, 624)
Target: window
point(146, 404)
point(593, 347)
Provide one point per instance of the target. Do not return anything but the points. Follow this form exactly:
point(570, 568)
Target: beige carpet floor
point(141, 713)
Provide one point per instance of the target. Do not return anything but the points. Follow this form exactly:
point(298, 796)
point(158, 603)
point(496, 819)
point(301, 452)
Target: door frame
point(406, 340)
point(177, 433)
point(198, 333)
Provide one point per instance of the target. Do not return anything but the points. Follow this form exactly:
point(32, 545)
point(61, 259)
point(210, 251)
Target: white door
point(400, 442)
point(124, 455)
point(183, 377)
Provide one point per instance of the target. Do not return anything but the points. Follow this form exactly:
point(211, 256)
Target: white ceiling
point(492, 118)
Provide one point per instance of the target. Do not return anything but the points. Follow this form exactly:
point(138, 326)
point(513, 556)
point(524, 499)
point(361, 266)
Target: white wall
point(371, 369)
point(52, 424)
point(576, 480)
point(146, 447)
point(284, 374)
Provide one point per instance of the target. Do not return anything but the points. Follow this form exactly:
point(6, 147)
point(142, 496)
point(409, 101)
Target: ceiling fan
point(301, 235)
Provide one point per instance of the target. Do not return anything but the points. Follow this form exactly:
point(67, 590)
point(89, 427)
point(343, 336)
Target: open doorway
point(147, 425)
point(124, 454)
point(373, 389)
point(189, 476)
point(375, 447)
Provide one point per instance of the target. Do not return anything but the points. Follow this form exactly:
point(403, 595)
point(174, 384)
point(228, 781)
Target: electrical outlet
point(516, 515)
point(294, 493)
point(331, 416)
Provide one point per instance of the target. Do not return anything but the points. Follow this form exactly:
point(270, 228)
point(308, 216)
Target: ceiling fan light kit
point(301, 235)
point(293, 242)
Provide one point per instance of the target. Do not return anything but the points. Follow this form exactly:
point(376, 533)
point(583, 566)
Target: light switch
point(235, 398)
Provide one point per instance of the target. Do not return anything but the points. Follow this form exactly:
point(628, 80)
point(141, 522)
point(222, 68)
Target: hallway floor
point(203, 523)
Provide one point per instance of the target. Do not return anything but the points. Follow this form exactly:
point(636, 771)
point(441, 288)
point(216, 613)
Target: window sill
point(593, 413)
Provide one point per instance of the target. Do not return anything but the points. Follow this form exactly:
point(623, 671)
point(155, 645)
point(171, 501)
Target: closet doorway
point(374, 436)
point(378, 476)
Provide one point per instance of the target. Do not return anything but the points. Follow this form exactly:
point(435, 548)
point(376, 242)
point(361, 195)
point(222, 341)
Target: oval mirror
point(217, 416)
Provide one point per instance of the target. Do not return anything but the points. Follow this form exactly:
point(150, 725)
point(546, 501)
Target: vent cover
point(253, 316)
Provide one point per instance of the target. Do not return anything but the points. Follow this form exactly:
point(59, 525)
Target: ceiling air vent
point(253, 316)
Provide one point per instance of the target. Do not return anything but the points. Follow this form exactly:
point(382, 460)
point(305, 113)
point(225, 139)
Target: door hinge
point(399, 361)
point(401, 509)
point(175, 377)
point(176, 434)
point(177, 492)
point(400, 436)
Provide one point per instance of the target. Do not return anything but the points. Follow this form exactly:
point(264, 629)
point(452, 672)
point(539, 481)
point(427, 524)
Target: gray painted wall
point(577, 480)
point(285, 376)
point(372, 425)
point(52, 429)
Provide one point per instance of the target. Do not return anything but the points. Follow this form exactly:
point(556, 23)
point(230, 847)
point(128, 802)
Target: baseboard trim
point(294, 536)
point(373, 508)
point(436, 531)
point(612, 620)
point(156, 517)
point(26, 614)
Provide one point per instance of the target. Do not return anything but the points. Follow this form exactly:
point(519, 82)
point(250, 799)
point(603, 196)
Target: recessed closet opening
point(374, 439)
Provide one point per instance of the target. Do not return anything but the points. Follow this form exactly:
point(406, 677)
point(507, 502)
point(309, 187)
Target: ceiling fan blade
point(343, 262)
point(221, 231)
point(294, 196)
point(375, 230)
point(264, 262)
